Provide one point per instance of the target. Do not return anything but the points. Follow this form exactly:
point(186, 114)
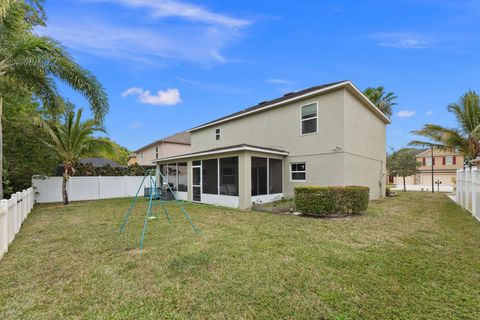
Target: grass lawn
point(416, 256)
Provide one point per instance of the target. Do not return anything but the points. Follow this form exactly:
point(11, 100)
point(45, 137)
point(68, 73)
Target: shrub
point(388, 191)
point(322, 201)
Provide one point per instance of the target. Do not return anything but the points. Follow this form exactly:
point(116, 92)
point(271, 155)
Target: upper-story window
point(309, 118)
point(141, 155)
point(448, 160)
point(428, 161)
point(217, 134)
point(156, 152)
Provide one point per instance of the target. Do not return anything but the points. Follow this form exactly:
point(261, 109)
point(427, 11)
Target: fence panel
point(111, 187)
point(13, 212)
point(3, 227)
point(81, 188)
point(87, 188)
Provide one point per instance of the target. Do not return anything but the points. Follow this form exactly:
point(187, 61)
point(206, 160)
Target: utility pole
point(433, 182)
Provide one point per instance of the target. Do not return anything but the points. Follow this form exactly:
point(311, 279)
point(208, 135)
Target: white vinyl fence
point(12, 214)
point(88, 188)
point(468, 190)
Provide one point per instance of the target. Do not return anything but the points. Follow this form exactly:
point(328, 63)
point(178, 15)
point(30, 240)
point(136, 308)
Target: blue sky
point(170, 65)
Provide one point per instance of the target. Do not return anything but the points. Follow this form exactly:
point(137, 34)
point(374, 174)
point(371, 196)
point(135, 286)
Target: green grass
point(416, 256)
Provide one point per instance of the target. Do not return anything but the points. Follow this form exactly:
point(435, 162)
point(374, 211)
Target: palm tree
point(35, 62)
point(72, 140)
point(383, 100)
point(464, 139)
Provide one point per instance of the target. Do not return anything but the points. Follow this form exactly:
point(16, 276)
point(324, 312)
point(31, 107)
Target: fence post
point(473, 175)
point(18, 212)
point(3, 227)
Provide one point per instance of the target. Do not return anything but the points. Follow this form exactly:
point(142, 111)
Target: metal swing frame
point(153, 198)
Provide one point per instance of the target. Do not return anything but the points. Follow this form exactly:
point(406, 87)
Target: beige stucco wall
point(280, 128)
point(165, 149)
point(365, 147)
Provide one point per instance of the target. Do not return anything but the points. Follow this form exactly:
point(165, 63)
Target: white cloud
point(136, 125)
point(429, 113)
point(278, 81)
point(166, 97)
point(405, 113)
point(172, 8)
point(401, 40)
point(161, 43)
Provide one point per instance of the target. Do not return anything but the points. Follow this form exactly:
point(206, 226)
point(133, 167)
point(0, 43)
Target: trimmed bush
point(321, 201)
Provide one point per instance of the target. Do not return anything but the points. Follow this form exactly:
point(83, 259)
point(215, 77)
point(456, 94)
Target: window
point(266, 176)
point(275, 169)
point(217, 134)
point(298, 171)
point(228, 176)
point(182, 176)
point(172, 175)
point(141, 155)
point(156, 152)
point(210, 176)
point(309, 118)
point(259, 176)
point(428, 161)
point(448, 160)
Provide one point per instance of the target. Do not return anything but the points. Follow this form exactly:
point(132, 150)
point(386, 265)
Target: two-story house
point(324, 135)
point(178, 143)
point(445, 165)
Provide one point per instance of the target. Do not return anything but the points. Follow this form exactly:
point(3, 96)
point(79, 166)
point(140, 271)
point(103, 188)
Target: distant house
point(95, 162)
point(178, 143)
point(324, 135)
point(445, 165)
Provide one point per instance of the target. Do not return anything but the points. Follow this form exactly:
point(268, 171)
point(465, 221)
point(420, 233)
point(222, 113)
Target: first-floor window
point(228, 176)
point(298, 171)
point(182, 176)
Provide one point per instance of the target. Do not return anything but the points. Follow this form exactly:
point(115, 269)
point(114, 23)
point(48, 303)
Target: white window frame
point(428, 161)
point(291, 171)
point(451, 160)
point(219, 134)
point(301, 120)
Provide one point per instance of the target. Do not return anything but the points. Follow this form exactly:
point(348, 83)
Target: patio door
point(197, 181)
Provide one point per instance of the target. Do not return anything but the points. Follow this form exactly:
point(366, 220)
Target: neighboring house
point(95, 162)
point(445, 166)
point(132, 159)
point(324, 135)
point(178, 143)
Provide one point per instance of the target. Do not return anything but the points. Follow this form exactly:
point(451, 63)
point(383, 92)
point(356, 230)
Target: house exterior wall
point(131, 161)
point(365, 147)
point(349, 147)
point(165, 149)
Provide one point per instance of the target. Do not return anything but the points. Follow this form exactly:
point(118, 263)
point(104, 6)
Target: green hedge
point(322, 201)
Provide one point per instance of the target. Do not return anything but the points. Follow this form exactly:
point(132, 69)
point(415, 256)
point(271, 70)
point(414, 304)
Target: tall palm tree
point(383, 100)
point(72, 140)
point(35, 62)
point(465, 138)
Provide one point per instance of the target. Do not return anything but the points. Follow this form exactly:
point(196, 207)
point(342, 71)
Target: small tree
point(402, 163)
point(72, 140)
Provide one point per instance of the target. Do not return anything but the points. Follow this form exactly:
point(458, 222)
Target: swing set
point(157, 196)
